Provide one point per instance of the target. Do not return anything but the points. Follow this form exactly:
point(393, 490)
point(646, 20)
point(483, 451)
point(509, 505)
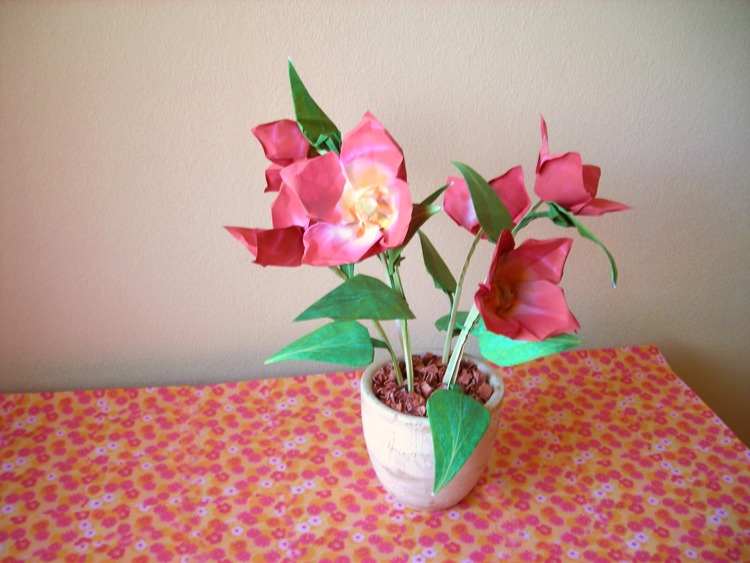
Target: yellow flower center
point(372, 206)
point(367, 199)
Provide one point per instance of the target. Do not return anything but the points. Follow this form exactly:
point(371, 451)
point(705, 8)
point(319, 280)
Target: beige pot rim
point(498, 391)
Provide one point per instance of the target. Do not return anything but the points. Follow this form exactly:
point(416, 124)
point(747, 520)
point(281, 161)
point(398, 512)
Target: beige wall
point(125, 146)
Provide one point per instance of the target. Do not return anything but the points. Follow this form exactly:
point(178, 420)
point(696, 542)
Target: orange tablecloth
point(601, 455)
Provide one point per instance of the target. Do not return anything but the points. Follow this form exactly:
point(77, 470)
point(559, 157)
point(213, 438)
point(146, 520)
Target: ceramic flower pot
point(400, 448)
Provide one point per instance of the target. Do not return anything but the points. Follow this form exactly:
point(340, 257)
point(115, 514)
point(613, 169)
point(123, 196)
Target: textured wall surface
point(125, 146)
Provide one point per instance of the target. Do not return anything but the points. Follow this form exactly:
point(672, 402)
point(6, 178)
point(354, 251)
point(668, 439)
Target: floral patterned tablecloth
point(601, 455)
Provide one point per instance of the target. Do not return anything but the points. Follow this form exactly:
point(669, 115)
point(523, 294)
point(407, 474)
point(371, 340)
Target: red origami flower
point(520, 298)
point(509, 188)
point(332, 209)
point(564, 179)
point(283, 143)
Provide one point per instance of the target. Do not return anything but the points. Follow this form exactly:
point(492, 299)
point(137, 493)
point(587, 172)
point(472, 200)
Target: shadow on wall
point(698, 368)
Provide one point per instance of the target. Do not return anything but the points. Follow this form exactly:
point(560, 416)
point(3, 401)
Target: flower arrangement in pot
point(429, 420)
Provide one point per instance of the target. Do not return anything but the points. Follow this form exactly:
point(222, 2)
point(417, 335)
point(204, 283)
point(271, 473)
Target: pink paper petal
point(401, 201)
point(544, 147)
point(273, 178)
point(504, 246)
point(591, 175)
point(319, 183)
point(272, 247)
point(542, 311)
point(495, 320)
point(537, 260)
point(282, 141)
point(564, 179)
point(544, 153)
point(370, 141)
point(287, 210)
point(248, 237)
point(520, 298)
point(458, 205)
point(601, 206)
point(560, 179)
point(511, 190)
point(332, 245)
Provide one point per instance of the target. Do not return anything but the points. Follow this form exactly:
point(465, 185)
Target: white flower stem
point(530, 215)
point(383, 335)
point(394, 358)
point(451, 371)
point(457, 298)
point(395, 277)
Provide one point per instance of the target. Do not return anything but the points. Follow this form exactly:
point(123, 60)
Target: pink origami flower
point(509, 188)
point(564, 179)
point(337, 209)
point(283, 143)
point(521, 298)
point(272, 247)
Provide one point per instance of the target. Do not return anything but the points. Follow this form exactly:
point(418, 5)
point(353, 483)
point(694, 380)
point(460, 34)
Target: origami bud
point(564, 179)
point(283, 143)
point(509, 188)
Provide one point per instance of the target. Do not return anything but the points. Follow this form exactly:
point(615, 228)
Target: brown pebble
point(428, 377)
point(484, 391)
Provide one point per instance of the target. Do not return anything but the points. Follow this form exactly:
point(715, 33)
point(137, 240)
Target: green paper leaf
point(433, 197)
point(457, 424)
point(492, 214)
point(360, 297)
point(346, 343)
point(504, 351)
point(420, 213)
point(392, 258)
point(531, 217)
point(347, 269)
point(442, 323)
point(315, 124)
point(565, 218)
point(436, 267)
point(377, 343)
